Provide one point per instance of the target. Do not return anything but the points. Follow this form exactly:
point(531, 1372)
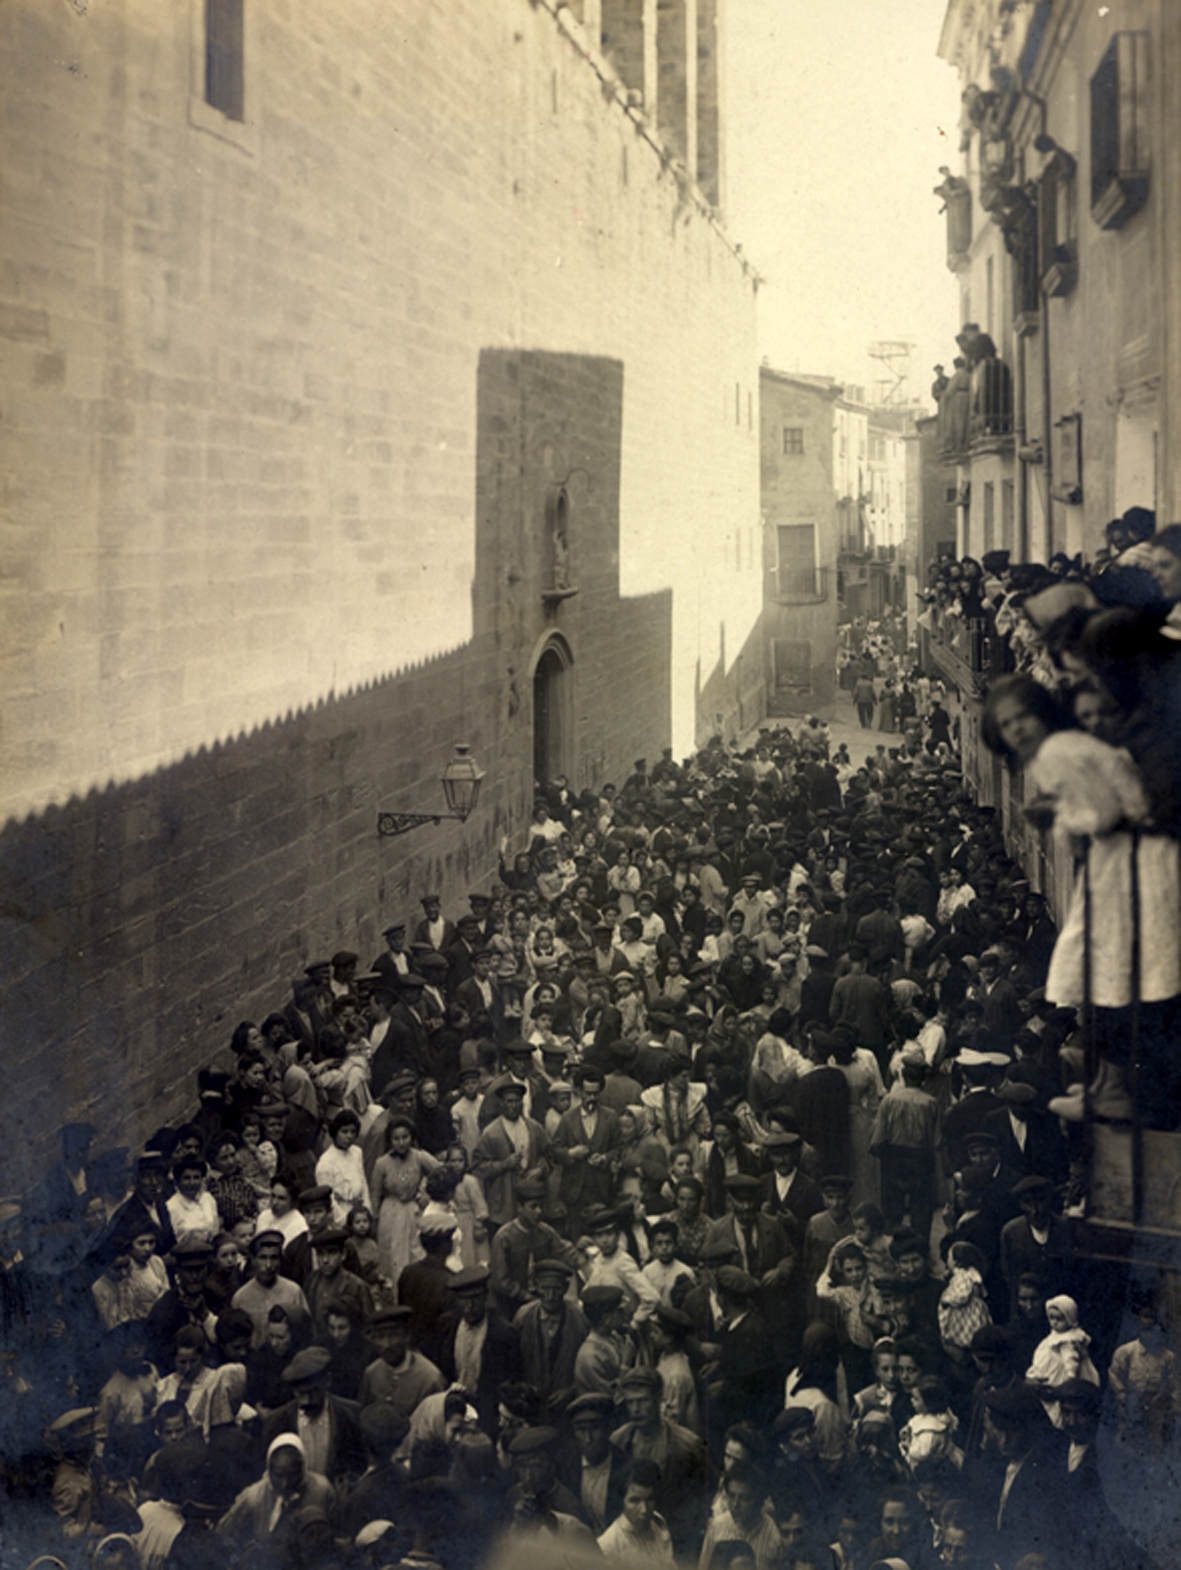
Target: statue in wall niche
point(951, 186)
point(557, 516)
point(940, 385)
point(954, 408)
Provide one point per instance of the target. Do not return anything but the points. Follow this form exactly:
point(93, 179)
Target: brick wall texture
point(281, 406)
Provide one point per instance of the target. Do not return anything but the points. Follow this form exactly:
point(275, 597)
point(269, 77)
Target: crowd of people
point(708, 1192)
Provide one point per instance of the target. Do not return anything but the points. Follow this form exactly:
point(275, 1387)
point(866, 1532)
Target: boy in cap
point(267, 1287)
point(332, 1283)
point(522, 1245)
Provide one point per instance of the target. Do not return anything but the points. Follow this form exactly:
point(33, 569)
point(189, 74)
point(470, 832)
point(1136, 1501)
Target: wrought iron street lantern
point(461, 781)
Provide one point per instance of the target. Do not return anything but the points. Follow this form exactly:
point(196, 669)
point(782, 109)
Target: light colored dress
point(470, 1206)
point(396, 1184)
point(864, 1080)
point(1096, 790)
point(344, 1172)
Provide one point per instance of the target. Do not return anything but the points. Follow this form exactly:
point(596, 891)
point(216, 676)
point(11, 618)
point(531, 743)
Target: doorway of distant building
point(553, 711)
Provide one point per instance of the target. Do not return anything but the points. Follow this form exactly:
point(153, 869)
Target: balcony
point(968, 650)
point(800, 585)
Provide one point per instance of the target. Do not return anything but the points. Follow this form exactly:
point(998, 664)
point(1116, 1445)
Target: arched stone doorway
point(553, 710)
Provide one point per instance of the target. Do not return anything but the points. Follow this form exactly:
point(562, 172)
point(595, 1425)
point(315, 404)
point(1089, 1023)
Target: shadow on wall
point(140, 923)
point(740, 692)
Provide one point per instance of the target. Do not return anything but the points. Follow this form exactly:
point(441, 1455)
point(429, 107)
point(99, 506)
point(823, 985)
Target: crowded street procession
point(711, 1191)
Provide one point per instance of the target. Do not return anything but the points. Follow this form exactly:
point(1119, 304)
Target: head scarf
point(226, 1394)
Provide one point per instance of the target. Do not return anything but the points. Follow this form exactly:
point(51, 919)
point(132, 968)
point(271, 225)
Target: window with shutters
point(1058, 225)
point(224, 42)
point(1119, 131)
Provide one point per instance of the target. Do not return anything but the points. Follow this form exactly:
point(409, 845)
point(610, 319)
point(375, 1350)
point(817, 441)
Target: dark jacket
point(346, 1450)
point(500, 1363)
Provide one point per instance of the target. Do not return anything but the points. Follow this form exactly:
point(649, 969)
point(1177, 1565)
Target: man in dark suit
point(1025, 1506)
point(434, 928)
point(477, 995)
point(786, 1192)
point(407, 1041)
point(461, 953)
point(589, 1465)
point(746, 1378)
point(1030, 1138)
point(1037, 1242)
point(328, 1425)
point(585, 1146)
point(145, 1206)
point(60, 1197)
point(479, 1350)
point(684, 1469)
point(981, 1072)
point(550, 1329)
point(394, 962)
point(765, 1250)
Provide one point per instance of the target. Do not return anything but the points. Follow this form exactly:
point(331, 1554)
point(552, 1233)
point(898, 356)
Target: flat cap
point(641, 1379)
point(530, 1188)
point(731, 1279)
point(531, 1440)
point(781, 1139)
point(383, 1425)
point(557, 1268)
point(269, 1235)
point(308, 1366)
point(331, 1237)
point(834, 1180)
point(592, 1405)
point(744, 1183)
point(793, 1418)
point(395, 1314)
point(466, 1283)
point(394, 926)
point(318, 1194)
point(1034, 1184)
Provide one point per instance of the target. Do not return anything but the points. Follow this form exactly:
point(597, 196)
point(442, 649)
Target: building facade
point(367, 389)
point(1062, 407)
point(800, 607)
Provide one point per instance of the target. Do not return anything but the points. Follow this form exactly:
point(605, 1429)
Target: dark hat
point(605, 1298)
point(1014, 1404)
point(562, 1049)
point(319, 1194)
point(318, 967)
point(552, 1267)
point(396, 1314)
point(980, 1136)
point(430, 899)
point(736, 1281)
point(587, 1073)
point(595, 1217)
point(156, 1161)
point(344, 957)
point(383, 1425)
point(404, 1080)
point(530, 1440)
point(1018, 1094)
point(191, 1253)
point(793, 1418)
point(781, 1139)
point(480, 899)
point(530, 1188)
point(307, 1367)
point(1081, 1390)
point(671, 1318)
point(467, 921)
point(743, 1183)
point(664, 1007)
point(433, 961)
point(836, 1180)
point(1033, 1184)
point(466, 1283)
point(331, 1237)
point(211, 1082)
point(411, 982)
point(267, 1235)
point(716, 1251)
point(641, 1379)
point(394, 926)
point(513, 1087)
point(592, 1405)
point(622, 1051)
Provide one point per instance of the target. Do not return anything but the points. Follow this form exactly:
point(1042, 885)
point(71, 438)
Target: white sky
point(838, 116)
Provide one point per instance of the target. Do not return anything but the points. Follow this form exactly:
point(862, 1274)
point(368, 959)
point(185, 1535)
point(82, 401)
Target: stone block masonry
point(244, 525)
